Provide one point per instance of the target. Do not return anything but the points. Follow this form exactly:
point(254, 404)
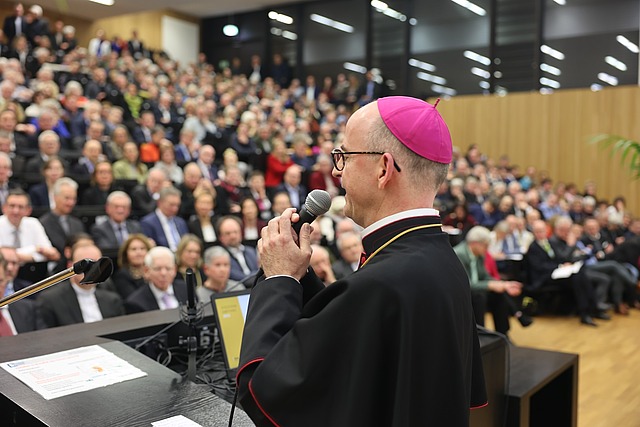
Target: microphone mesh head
point(318, 202)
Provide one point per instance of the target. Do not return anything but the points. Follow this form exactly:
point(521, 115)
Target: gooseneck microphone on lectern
point(317, 203)
point(94, 272)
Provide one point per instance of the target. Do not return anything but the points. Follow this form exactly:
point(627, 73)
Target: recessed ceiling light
point(354, 67)
point(423, 65)
point(549, 82)
point(552, 52)
point(431, 78)
point(104, 2)
point(615, 63)
point(480, 72)
point(230, 30)
point(443, 90)
point(471, 6)
point(477, 57)
point(550, 69)
point(280, 17)
point(628, 44)
point(331, 23)
point(560, 2)
point(608, 78)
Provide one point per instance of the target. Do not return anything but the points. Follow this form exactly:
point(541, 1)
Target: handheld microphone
point(317, 203)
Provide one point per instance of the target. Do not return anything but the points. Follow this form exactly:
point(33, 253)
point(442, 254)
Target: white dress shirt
point(31, 234)
point(88, 303)
point(167, 228)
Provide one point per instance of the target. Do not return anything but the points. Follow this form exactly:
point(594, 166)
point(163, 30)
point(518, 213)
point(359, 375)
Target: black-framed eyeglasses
point(338, 157)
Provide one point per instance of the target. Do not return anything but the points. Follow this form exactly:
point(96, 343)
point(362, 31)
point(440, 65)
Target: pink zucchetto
point(418, 125)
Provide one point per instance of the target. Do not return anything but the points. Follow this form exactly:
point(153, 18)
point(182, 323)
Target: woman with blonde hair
point(189, 255)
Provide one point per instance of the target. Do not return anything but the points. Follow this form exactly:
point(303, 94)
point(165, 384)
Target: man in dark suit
point(160, 293)
point(9, 123)
point(113, 232)
point(15, 24)
point(145, 197)
point(350, 247)
point(163, 225)
point(292, 184)
point(135, 45)
point(48, 145)
point(244, 259)
point(91, 154)
point(6, 171)
point(142, 132)
point(69, 302)
point(20, 316)
point(59, 224)
point(543, 258)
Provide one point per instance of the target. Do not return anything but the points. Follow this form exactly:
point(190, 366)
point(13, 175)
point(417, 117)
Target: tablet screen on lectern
point(230, 310)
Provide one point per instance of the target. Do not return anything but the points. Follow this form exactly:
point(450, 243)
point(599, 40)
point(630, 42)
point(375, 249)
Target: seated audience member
point(187, 148)
point(460, 220)
point(251, 223)
point(142, 133)
point(301, 151)
point(5, 174)
point(292, 184)
point(163, 226)
point(18, 317)
point(145, 197)
point(623, 283)
point(130, 274)
point(115, 231)
point(542, 259)
point(564, 241)
point(350, 247)
point(13, 282)
point(69, 302)
point(59, 224)
point(167, 162)
point(193, 184)
point(259, 194)
point(322, 178)
point(217, 267)
point(91, 155)
point(117, 140)
point(150, 151)
point(280, 202)
point(321, 263)
point(206, 163)
point(189, 255)
point(130, 166)
point(202, 224)
point(551, 207)
point(231, 191)
point(487, 294)
point(102, 184)
point(23, 232)
point(244, 259)
point(278, 161)
point(48, 147)
point(159, 293)
point(41, 194)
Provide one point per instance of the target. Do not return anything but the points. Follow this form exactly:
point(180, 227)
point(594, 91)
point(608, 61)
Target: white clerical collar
point(397, 217)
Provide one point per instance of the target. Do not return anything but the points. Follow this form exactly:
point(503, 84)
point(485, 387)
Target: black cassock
point(393, 344)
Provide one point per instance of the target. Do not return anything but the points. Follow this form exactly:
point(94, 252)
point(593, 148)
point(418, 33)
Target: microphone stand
point(191, 316)
point(96, 272)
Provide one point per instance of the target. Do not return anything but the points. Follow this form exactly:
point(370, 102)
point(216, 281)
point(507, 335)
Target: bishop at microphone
point(395, 342)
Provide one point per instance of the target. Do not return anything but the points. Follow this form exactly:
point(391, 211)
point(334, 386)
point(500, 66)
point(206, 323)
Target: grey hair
point(116, 194)
point(64, 181)
point(215, 252)
point(478, 234)
point(156, 252)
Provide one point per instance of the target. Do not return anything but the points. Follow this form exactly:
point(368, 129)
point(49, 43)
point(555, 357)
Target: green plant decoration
point(629, 151)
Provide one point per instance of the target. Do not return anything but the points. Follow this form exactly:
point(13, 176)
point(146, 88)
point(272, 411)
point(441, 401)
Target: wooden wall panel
point(552, 133)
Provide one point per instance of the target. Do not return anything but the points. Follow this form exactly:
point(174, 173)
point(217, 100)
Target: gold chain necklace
point(394, 238)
